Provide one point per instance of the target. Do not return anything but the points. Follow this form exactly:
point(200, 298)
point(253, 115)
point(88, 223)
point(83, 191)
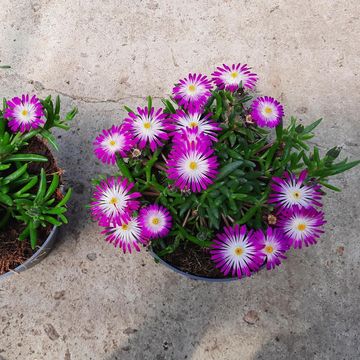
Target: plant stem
point(192, 238)
point(123, 168)
point(150, 164)
point(5, 219)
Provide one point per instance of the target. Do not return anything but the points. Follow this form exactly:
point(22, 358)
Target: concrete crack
point(87, 99)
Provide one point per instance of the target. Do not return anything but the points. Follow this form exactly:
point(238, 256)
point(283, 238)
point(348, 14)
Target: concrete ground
point(88, 301)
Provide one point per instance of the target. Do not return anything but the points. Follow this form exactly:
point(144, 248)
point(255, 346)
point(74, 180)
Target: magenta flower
point(193, 119)
point(291, 191)
point(148, 127)
point(191, 135)
point(155, 221)
point(236, 251)
point(192, 167)
point(229, 78)
point(267, 112)
point(126, 235)
point(301, 226)
point(113, 201)
point(24, 114)
point(274, 245)
point(111, 142)
point(192, 92)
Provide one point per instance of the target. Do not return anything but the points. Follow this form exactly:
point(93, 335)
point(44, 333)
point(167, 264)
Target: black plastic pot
point(189, 275)
point(43, 251)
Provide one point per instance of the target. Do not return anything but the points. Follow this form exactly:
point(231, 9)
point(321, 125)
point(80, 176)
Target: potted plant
point(32, 203)
point(214, 183)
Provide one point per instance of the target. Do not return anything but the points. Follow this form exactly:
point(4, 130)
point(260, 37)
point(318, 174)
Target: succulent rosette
point(230, 77)
point(24, 113)
point(207, 184)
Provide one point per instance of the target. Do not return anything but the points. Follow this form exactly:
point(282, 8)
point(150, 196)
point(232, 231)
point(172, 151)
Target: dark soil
point(193, 260)
point(12, 251)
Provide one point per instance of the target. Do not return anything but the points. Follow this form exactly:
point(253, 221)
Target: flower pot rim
point(189, 275)
point(42, 252)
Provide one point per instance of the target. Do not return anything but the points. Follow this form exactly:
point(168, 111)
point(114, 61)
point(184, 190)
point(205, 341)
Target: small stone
point(51, 332)
point(59, 294)
point(126, 348)
point(251, 317)
point(91, 256)
point(67, 355)
point(129, 331)
point(340, 250)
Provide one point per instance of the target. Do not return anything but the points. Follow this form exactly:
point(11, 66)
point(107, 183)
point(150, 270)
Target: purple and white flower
point(112, 142)
point(193, 91)
point(230, 77)
point(301, 226)
point(114, 202)
point(237, 251)
point(196, 119)
point(274, 245)
point(126, 235)
point(155, 221)
point(24, 114)
point(192, 166)
point(191, 135)
point(148, 127)
point(267, 112)
point(290, 191)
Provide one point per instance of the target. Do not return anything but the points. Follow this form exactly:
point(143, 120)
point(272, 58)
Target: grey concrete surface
point(100, 55)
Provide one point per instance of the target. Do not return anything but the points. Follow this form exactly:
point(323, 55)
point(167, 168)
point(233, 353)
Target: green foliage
point(30, 198)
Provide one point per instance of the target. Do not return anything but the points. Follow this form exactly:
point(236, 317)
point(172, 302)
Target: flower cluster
point(299, 223)
point(206, 162)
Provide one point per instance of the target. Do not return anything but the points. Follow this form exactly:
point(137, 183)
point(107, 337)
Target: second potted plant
point(32, 203)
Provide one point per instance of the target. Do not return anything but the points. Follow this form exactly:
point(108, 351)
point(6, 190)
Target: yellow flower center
point(193, 124)
point(112, 142)
point(234, 74)
point(24, 112)
point(268, 110)
point(192, 88)
point(155, 220)
point(124, 226)
point(193, 165)
point(113, 201)
point(296, 195)
point(269, 249)
point(239, 251)
point(301, 227)
point(147, 125)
